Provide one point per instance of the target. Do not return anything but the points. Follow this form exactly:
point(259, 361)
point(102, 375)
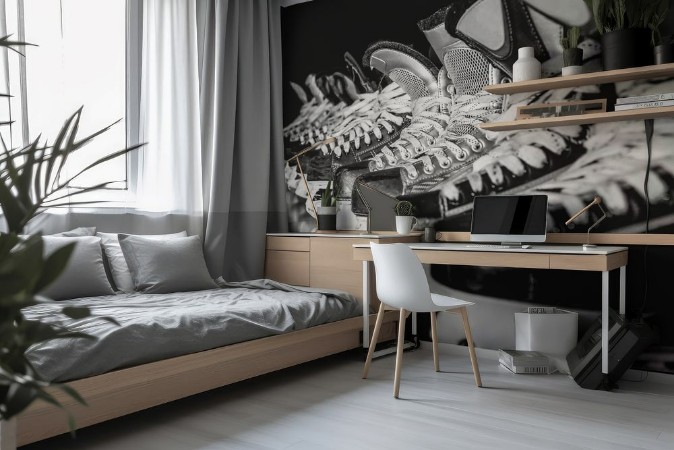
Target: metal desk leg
point(604, 322)
point(366, 304)
point(623, 275)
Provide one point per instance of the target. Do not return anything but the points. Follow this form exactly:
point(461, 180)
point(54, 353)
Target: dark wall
point(316, 34)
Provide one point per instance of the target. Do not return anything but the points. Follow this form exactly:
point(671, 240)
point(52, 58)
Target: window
point(79, 61)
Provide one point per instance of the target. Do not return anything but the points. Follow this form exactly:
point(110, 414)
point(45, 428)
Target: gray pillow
point(159, 267)
point(84, 274)
point(115, 258)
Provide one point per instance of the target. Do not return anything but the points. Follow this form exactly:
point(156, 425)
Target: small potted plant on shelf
point(626, 30)
point(327, 212)
point(573, 56)
point(405, 219)
point(663, 46)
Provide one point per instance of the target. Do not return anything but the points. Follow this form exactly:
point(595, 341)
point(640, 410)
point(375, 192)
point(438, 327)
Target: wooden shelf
point(547, 122)
point(584, 79)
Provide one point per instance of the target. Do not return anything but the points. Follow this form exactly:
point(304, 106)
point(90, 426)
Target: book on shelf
point(644, 98)
point(524, 361)
point(541, 310)
point(644, 105)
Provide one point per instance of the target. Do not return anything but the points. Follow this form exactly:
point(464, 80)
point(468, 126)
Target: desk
point(560, 257)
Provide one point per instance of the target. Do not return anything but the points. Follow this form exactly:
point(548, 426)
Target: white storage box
point(554, 334)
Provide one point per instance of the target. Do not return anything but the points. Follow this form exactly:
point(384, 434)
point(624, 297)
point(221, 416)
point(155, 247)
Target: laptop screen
point(520, 218)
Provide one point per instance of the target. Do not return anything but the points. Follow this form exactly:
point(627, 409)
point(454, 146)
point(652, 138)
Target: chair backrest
point(401, 279)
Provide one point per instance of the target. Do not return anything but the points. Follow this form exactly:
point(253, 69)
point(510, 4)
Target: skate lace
point(467, 111)
point(366, 118)
point(427, 116)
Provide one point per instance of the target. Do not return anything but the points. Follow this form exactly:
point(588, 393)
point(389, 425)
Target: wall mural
point(397, 86)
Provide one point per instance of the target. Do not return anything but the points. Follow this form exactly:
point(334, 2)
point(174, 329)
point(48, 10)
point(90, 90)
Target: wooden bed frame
point(126, 391)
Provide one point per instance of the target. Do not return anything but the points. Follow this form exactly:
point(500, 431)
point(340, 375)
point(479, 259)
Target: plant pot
point(663, 53)
point(573, 57)
point(404, 224)
point(626, 48)
point(327, 218)
point(572, 70)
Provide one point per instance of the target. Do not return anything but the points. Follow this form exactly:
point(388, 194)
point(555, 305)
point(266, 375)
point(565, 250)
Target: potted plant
point(624, 28)
point(405, 219)
point(573, 56)
point(32, 179)
point(327, 212)
point(663, 46)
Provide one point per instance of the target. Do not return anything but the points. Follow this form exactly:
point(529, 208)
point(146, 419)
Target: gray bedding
point(159, 326)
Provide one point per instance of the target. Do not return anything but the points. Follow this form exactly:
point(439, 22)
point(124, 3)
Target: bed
point(169, 346)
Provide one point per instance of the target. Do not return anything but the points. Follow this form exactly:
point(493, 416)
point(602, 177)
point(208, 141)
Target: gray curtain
point(242, 142)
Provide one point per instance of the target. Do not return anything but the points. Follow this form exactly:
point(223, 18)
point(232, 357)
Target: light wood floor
point(326, 405)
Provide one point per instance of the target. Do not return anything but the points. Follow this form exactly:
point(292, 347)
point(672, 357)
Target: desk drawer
point(293, 244)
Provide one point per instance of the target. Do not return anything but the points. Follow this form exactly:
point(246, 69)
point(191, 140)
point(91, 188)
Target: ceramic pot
point(573, 57)
point(664, 53)
point(527, 67)
point(327, 218)
point(404, 224)
point(572, 70)
point(626, 48)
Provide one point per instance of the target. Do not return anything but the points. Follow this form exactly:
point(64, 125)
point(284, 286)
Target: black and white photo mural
point(396, 88)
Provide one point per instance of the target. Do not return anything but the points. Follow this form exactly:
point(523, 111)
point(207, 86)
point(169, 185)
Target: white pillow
point(84, 274)
point(121, 274)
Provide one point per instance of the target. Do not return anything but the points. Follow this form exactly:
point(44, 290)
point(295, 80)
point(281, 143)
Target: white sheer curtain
point(169, 167)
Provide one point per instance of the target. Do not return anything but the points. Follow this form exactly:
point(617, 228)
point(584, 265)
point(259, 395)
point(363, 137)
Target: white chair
point(402, 284)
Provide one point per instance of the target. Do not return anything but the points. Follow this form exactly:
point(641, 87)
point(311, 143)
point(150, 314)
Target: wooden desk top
point(537, 257)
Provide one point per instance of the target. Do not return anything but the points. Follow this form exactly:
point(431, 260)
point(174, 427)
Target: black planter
point(573, 57)
point(626, 48)
point(664, 53)
point(327, 218)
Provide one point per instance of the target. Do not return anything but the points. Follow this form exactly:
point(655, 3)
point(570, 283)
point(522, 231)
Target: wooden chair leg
point(399, 352)
point(471, 347)
point(375, 337)
point(434, 338)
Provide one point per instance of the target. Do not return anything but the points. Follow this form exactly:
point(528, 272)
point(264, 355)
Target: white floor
point(326, 405)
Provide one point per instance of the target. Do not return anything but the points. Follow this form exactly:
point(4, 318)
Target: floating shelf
point(584, 79)
point(547, 122)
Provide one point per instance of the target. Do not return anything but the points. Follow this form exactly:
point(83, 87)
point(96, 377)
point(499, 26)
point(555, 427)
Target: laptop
point(509, 219)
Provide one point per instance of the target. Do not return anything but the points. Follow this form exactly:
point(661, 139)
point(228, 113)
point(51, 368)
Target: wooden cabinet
point(321, 260)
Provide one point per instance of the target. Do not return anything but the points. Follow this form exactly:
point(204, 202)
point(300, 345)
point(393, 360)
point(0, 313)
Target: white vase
point(404, 224)
point(572, 70)
point(8, 434)
point(527, 67)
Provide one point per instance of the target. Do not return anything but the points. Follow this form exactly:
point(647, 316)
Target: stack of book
point(524, 361)
point(644, 101)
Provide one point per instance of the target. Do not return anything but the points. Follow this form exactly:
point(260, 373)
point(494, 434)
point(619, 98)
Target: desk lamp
point(296, 157)
point(596, 201)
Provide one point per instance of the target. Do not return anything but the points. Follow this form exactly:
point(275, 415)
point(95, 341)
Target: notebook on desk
point(508, 220)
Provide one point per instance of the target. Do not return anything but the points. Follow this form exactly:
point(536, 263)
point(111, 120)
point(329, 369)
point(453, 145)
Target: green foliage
point(613, 15)
point(404, 208)
point(329, 197)
point(571, 38)
point(32, 179)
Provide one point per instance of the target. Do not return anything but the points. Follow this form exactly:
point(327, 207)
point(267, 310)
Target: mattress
point(152, 327)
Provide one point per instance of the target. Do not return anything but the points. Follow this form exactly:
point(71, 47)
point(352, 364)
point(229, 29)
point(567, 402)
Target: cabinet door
point(288, 267)
point(333, 266)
